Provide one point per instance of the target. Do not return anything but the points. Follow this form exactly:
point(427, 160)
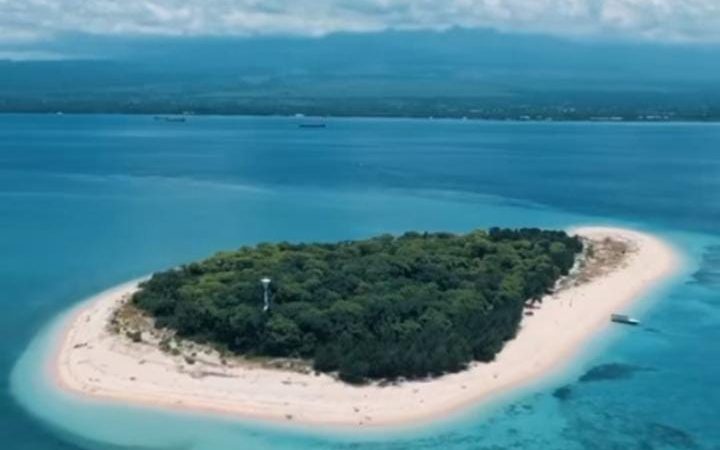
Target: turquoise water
point(88, 202)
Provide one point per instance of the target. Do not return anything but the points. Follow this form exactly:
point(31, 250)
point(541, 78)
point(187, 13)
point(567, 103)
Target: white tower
point(266, 296)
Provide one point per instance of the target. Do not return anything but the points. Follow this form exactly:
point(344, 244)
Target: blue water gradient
point(87, 202)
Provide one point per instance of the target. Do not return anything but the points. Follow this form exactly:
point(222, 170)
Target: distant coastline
point(523, 118)
point(91, 361)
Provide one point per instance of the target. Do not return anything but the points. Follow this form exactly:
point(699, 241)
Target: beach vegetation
point(388, 307)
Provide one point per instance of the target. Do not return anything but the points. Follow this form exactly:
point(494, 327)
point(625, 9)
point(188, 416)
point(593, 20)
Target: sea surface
point(87, 202)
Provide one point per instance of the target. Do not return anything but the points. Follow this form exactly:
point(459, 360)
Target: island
point(410, 306)
point(387, 330)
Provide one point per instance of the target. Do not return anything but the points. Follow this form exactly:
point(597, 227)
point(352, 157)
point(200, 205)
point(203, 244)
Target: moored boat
point(624, 319)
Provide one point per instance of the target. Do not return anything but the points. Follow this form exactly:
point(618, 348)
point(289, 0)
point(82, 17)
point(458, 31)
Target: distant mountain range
point(458, 73)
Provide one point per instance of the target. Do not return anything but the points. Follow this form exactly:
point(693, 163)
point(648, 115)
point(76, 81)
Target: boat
point(624, 319)
point(312, 125)
point(171, 118)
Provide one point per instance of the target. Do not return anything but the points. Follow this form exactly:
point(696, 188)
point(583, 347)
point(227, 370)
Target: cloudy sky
point(23, 21)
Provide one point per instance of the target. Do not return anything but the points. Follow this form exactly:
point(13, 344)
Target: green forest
point(410, 306)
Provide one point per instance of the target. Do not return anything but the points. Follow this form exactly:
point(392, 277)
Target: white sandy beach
point(92, 361)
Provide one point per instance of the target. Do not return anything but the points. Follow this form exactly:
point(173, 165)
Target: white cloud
point(694, 20)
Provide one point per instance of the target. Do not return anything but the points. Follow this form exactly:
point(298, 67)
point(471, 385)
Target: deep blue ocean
point(87, 202)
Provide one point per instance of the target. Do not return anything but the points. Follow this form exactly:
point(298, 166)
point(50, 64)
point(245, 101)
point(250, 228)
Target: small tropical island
point(412, 306)
point(379, 331)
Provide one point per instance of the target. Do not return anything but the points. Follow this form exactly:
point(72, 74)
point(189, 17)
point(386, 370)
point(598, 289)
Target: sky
point(26, 24)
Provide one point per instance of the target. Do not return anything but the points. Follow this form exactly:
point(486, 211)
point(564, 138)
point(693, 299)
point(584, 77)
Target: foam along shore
point(93, 361)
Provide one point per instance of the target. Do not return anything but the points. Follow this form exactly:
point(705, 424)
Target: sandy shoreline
point(91, 361)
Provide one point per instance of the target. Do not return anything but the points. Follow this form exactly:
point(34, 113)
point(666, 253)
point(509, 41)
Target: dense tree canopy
point(410, 306)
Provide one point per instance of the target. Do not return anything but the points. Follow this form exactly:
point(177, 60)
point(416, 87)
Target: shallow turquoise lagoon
point(87, 202)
